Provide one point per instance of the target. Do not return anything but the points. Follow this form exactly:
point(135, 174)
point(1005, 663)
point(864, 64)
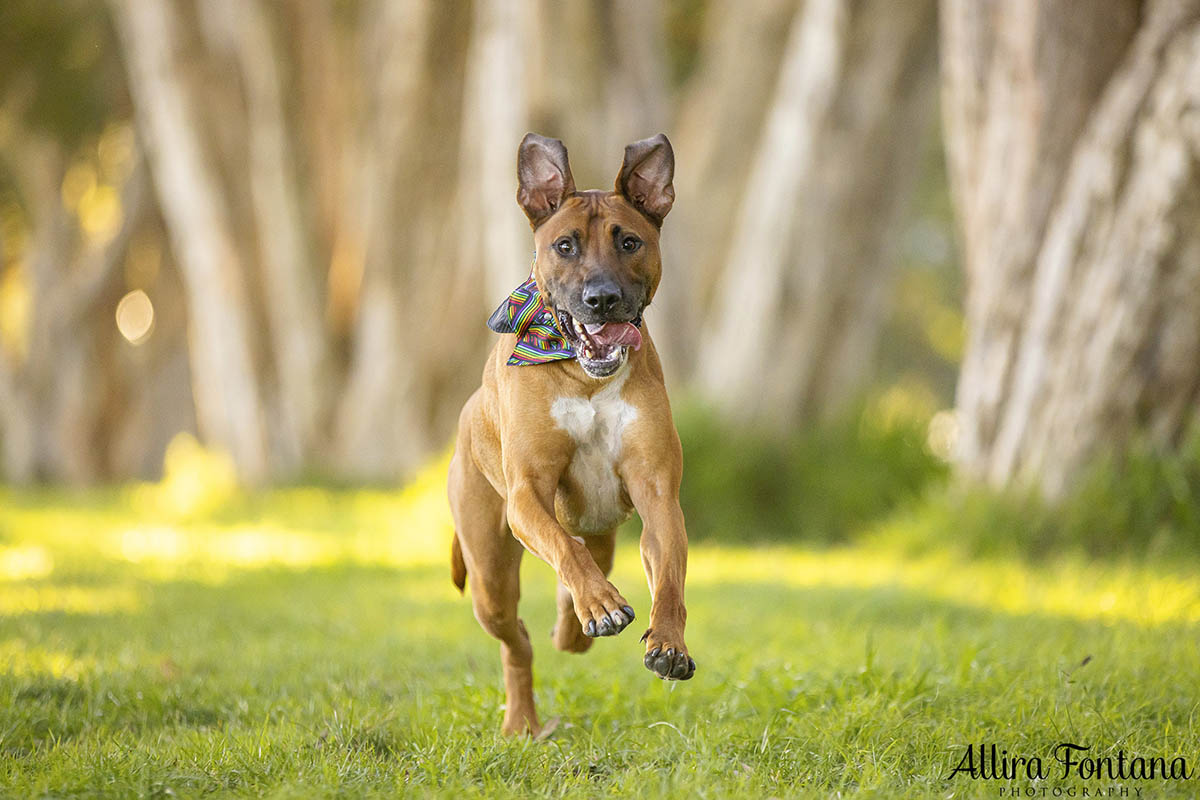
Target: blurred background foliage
point(829, 481)
point(56, 66)
point(246, 243)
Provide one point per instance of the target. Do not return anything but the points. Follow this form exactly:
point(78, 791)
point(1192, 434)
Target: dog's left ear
point(646, 177)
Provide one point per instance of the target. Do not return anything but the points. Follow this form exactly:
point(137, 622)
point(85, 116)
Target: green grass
point(161, 642)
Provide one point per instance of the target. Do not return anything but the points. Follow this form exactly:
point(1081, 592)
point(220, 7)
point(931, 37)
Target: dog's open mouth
point(601, 347)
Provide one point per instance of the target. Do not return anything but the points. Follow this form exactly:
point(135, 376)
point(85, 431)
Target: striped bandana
point(538, 338)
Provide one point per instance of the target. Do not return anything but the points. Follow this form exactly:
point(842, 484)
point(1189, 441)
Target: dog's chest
point(590, 496)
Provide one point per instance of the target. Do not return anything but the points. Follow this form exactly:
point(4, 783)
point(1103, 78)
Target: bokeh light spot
point(100, 212)
point(942, 435)
point(79, 180)
point(14, 311)
point(135, 316)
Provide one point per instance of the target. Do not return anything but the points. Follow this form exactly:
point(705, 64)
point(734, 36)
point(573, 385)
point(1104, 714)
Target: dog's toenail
point(650, 658)
point(628, 612)
point(590, 630)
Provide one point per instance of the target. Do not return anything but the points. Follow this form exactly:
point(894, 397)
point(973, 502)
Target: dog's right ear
point(544, 177)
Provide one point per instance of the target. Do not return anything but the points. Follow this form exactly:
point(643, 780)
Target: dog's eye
point(565, 246)
point(630, 243)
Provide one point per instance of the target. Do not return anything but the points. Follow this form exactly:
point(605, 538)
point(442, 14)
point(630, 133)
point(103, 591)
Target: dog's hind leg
point(493, 561)
point(567, 634)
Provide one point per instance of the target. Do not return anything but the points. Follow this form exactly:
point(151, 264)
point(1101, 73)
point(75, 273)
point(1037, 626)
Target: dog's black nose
point(601, 295)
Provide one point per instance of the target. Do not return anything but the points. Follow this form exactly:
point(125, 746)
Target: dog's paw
point(666, 659)
point(603, 614)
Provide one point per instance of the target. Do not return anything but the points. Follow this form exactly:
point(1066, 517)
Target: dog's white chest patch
point(597, 426)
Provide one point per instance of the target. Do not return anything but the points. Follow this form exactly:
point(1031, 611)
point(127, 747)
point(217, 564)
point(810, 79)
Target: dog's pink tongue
point(616, 333)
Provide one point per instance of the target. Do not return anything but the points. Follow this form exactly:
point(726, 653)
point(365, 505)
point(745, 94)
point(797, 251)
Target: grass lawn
point(309, 643)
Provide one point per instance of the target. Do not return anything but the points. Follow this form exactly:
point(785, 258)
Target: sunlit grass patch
point(1072, 587)
point(43, 596)
point(150, 526)
point(23, 659)
point(30, 561)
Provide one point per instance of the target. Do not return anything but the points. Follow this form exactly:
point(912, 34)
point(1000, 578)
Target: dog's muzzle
point(600, 347)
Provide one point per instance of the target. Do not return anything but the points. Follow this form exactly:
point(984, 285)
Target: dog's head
point(598, 262)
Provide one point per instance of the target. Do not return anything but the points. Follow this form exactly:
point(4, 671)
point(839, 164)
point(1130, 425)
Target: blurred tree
point(73, 194)
point(413, 60)
point(228, 404)
point(454, 88)
point(1073, 155)
point(803, 261)
point(322, 211)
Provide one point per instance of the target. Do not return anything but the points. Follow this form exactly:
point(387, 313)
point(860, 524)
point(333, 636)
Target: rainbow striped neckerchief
point(538, 339)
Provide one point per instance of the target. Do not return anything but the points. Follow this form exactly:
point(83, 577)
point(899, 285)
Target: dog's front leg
point(601, 609)
point(653, 485)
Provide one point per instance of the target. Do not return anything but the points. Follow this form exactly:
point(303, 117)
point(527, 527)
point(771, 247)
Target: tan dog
point(552, 457)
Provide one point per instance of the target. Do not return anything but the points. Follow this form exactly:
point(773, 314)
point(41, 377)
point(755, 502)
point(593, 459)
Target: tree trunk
point(1073, 157)
point(291, 296)
point(224, 378)
point(380, 432)
point(736, 69)
point(801, 299)
point(51, 396)
point(39, 166)
point(495, 114)
point(607, 89)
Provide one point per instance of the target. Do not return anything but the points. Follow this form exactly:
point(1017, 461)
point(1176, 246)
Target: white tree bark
point(734, 81)
point(380, 430)
point(850, 220)
point(495, 117)
point(227, 394)
point(1078, 194)
point(753, 277)
point(636, 91)
point(291, 295)
point(796, 316)
point(1026, 86)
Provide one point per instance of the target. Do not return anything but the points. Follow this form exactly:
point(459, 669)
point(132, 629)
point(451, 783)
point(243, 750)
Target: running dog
point(571, 429)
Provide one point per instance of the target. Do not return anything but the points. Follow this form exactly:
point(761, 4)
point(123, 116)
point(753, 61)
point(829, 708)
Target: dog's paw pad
point(670, 664)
